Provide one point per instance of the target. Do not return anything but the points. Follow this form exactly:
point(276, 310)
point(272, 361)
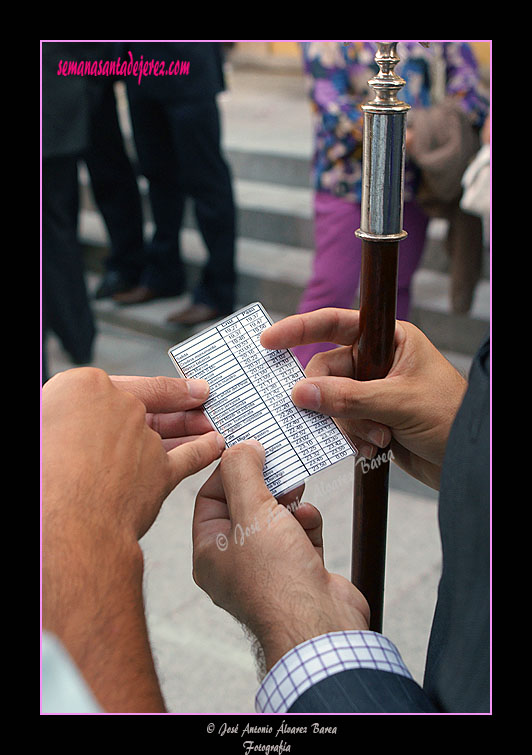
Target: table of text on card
point(250, 397)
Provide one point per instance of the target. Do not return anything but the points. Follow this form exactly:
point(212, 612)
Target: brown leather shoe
point(195, 314)
point(140, 294)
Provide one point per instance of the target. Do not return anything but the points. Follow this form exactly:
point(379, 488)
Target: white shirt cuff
point(315, 659)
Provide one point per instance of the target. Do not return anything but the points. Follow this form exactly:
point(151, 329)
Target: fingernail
point(259, 448)
point(376, 436)
point(221, 443)
point(366, 450)
point(260, 339)
point(198, 388)
point(254, 443)
point(308, 395)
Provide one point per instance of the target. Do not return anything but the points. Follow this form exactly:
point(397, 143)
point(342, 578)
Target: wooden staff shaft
point(373, 359)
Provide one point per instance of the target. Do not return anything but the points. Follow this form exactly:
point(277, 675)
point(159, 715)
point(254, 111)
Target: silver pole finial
point(383, 152)
point(386, 84)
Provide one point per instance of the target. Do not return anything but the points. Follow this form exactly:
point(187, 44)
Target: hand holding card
point(250, 397)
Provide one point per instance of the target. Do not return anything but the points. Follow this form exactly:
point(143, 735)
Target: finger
point(338, 362)
point(351, 399)
point(189, 458)
point(170, 443)
point(311, 520)
point(369, 435)
point(179, 424)
point(330, 325)
point(293, 496)
point(243, 481)
point(213, 488)
point(164, 394)
point(211, 522)
point(210, 500)
point(364, 447)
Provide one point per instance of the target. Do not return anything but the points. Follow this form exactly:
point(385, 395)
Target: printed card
point(250, 397)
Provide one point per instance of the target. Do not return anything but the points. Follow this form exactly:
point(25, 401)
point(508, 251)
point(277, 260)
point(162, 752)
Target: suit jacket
point(457, 673)
point(66, 100)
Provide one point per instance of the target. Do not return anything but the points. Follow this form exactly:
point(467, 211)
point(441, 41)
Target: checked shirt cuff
point(315, 659)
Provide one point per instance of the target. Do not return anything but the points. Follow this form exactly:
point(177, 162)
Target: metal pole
point(380, 231)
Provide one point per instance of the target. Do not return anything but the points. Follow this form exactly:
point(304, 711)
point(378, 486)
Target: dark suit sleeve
point(364, 691)
point(457, 672)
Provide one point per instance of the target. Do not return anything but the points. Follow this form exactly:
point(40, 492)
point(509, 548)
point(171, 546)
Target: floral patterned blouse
point(337, 76)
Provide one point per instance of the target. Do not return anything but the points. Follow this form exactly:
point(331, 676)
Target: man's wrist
point(81, 562)
point(278, 637)
point(93, 603)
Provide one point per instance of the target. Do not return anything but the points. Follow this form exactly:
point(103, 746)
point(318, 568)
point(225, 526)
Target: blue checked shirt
point(315, 659)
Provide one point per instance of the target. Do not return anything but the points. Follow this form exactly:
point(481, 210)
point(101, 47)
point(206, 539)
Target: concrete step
point(276, 274)
point(265, 211)
point(269, 167)
point(279, 213)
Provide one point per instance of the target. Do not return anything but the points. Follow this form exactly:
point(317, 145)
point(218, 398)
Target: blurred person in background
point(337, 78)
point(114, 185)
point(66, 104)
point(80, 124)
point(476, 181)
point(176, 128)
